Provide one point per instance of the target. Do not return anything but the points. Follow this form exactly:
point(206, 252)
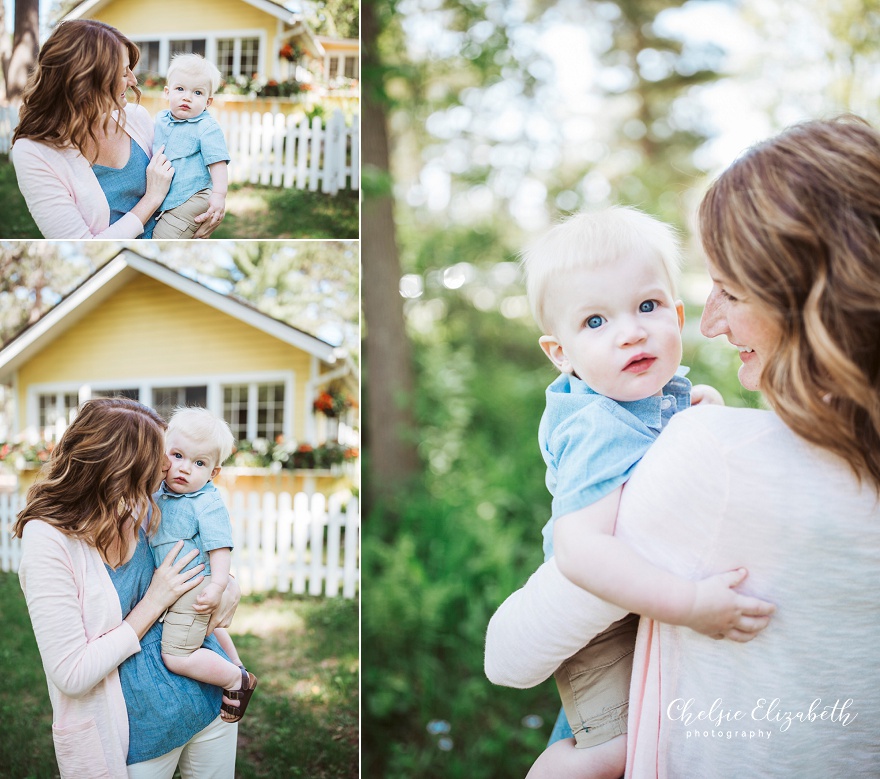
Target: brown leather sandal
point(248, 685)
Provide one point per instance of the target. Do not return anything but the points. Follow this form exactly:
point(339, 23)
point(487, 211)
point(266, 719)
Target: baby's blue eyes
point(595, 321)
point(647, 306)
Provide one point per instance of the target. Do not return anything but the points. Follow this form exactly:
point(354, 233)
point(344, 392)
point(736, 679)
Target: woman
point(82, 154)
point(792, 234)
point(94, 599)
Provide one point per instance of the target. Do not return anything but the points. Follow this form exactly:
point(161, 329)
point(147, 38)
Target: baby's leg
point(562, 760)
point(179, 222)
point(182, 636)
point(225, 641)
point(205, 665)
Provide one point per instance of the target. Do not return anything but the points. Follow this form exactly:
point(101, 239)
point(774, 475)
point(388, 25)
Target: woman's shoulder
point(729, 426)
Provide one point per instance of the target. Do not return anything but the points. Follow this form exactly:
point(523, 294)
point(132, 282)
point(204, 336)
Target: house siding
point(149, 331)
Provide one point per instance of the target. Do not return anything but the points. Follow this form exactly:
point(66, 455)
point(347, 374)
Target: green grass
point(302, 721)
point(253, 212)
point(15, 219)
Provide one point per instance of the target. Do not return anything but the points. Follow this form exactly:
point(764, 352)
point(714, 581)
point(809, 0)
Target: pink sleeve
point(74, 662)
point(58, 211)
point(540, 625)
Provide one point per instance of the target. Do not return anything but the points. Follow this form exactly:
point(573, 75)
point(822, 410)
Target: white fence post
point(280, 542)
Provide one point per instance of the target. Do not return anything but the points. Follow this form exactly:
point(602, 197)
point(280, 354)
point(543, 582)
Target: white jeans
point(209, 754)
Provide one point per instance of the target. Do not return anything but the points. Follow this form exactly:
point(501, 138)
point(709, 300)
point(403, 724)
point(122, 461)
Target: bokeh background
point(484, 122)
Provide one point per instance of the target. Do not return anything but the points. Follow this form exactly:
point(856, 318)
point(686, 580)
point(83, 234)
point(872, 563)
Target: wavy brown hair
point(101, 475)
point(795, 222)
point(71, 90)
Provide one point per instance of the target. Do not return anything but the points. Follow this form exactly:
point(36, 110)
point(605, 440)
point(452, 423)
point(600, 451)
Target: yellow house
point(243, 37)
point(140, 329)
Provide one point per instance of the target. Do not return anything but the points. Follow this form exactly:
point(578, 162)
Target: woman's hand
point(159, 175)
point(221, 617)
point(169, 583)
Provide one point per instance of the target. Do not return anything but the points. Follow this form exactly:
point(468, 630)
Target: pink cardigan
point(63, 194)
point(77, 620)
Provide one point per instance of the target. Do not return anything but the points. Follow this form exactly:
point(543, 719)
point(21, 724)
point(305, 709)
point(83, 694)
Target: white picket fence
point(300, 544)
point(274, 150)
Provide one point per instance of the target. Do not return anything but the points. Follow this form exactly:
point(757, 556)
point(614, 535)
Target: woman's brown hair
point(101, 475)
point(795, 223)
point(72, 89)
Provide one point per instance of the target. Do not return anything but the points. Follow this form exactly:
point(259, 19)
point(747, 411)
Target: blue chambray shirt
point(191, 145)
point(199, 518)
point(591, 443)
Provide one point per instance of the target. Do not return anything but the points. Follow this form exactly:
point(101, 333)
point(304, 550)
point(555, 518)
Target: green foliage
point(15, 219)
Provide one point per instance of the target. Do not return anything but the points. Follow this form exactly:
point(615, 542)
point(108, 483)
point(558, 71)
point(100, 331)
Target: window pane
point(188, 47)
point(149, 61)
point(132, 394)
point(351, 67)
point(334, 67)
point(226, 57)
point(166, 399)
point(235, 409)
point(250, 56)
point(270, 411)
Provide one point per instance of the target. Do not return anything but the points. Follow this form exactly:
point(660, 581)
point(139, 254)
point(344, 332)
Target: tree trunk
point(389, 434)
point(25, 47)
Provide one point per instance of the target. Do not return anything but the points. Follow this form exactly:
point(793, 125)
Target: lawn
point(252, 212)
point(302, 721)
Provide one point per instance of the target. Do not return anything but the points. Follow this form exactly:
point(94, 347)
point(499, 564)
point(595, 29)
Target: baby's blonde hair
point(195, 65)
point(590, 239)
point(205, 428)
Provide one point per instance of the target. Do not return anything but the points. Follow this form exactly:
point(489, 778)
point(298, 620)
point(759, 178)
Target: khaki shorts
point(594, 684)
point(183, 631)
point(178, 222)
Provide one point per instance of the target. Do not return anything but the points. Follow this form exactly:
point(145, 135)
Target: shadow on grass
point(302, 721)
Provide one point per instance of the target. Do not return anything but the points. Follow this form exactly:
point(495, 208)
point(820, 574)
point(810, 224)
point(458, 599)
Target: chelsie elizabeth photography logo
point(766, 717)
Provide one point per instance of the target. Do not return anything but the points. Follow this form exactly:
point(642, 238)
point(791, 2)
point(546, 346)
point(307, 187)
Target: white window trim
point(210, 38)
point(145, 387)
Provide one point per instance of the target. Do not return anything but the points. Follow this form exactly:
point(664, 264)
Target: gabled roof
point(119, 271)
point(289, 12)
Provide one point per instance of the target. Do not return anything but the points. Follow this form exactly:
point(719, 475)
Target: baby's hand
point(209, 599)
point(703, 393)
point(720, 611)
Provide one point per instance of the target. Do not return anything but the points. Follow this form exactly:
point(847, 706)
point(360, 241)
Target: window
point(270, 411)
point(238, 56)
point(149, 61)
point(226, 57)
point(250, 56)
point(254, 410)
point(166, 399)
point(235, 410)
point(351, 70)
point(188, 47)
point(133, 394)
point(56, 412)
point(334, 67)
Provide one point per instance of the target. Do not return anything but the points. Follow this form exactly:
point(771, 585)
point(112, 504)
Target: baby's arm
point(220, 561)
point(703, 393)
point(588, 554)
point(219, 185)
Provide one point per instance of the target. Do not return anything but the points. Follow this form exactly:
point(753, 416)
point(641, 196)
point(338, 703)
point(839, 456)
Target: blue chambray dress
point(164, 710)
point(124, 187)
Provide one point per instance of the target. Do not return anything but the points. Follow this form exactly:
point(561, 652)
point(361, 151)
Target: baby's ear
point(679, 309)
point(210, 100)
point(215, 472)
point(555, 353)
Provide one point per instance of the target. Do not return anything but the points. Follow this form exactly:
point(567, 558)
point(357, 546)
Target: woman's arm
point(540, 625)
point(73, 662)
